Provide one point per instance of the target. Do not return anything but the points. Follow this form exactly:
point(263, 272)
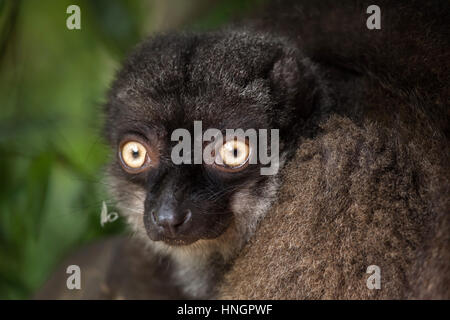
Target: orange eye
point(135, 156)
point(233, 154)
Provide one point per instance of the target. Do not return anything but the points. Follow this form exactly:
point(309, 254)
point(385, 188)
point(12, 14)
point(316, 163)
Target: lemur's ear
point(294, 85)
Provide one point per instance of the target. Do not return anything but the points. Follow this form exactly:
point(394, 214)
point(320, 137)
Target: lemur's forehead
point(173, 80)
point(215, 109)
point(170, 62)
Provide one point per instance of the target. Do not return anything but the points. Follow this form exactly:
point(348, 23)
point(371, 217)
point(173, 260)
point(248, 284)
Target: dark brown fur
point(352, 197)
point(371, 187)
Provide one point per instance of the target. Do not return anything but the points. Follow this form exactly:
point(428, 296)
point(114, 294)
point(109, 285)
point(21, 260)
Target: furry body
point(372, 186)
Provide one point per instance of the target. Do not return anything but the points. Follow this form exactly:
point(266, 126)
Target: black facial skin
point(226, 80)
point(180, 213)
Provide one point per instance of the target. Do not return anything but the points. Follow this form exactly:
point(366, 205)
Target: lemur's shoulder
point(352, 197)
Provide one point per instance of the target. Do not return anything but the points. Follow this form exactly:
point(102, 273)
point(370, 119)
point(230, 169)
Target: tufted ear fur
point(296, 87)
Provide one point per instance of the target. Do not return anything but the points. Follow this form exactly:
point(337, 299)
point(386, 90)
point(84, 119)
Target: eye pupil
point(235, 152)
point(134, 154)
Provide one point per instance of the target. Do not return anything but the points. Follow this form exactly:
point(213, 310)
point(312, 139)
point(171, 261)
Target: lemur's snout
point(171, 221)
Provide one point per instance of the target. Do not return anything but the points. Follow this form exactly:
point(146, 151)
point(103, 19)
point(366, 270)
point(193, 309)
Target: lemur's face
point(169, 83)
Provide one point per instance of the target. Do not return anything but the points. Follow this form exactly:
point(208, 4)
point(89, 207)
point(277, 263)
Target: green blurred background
point(52, 86)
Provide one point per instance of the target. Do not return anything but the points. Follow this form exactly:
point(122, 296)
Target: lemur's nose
point(171, 220)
